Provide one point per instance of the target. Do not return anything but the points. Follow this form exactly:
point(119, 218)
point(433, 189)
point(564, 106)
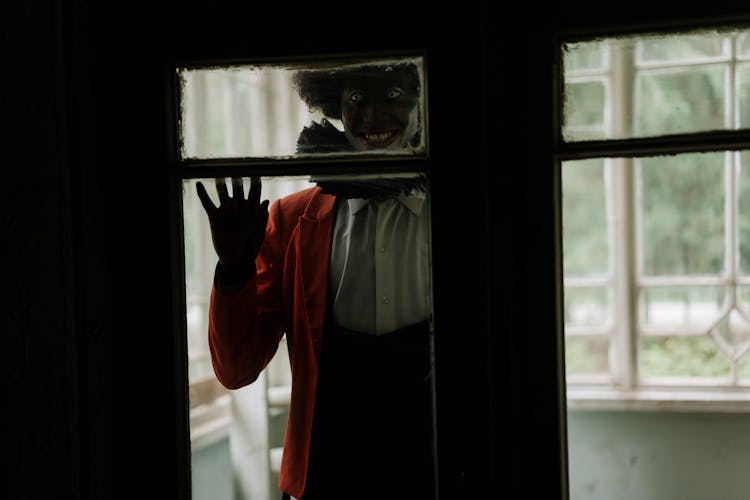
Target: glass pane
point(695, 307)
point(584, 56)
point(200, 263)
point(682, 214)
point(375, 316)
point(584, 109)
point(652, 85)
point(307, 109)
point(743, 366)
point(585, 248)
point(682, 357)
point(586, 355)
point(197, 280)
point(743, 44)
point(743, 297)
point(743, 95)
point(587, 306)
point(743, 213)
point(677, 47)
point(680, 101)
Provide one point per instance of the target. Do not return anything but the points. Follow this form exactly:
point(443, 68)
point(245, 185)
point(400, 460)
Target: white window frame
point(622, 388)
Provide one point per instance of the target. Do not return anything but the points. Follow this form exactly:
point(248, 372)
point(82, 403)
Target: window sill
point(695, 401)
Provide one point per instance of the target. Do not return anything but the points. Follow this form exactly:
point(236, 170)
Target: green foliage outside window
point(743, 213)
point(586, 356)
point(683, 357)
point(680, 202)
point(680, 101)
point(585, 245)
point(683, 214)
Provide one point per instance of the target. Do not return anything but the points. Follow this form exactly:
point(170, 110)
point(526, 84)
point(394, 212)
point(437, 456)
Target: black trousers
point(372, 432)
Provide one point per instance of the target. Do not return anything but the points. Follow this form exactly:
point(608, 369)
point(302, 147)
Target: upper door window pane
point(339, 108)
point(649, 86)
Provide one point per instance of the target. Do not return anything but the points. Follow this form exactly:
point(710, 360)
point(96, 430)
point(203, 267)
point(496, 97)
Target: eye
point(394, 92)
point(356, 96)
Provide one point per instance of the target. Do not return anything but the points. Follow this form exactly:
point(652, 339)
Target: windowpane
point(677, 47)
point(583, 56)
point(678, 356)
point(584, 105)
point(587, 306)
point(295, 110)
point(252, 419)
point(680, 101)
point(630, 87)
point(198, 271)
point(585, 248)
point(682, 214)
point(743, 213)
point(743, 297)
point(681, 307)
point(743, 44)
point(239, 423)
point(743, 367)
point(586, 355)
point(743, 95)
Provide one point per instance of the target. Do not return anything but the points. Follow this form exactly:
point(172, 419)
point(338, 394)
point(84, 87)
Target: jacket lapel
point(315, 231)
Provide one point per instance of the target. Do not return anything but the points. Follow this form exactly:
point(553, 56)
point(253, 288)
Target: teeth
point(379, 137)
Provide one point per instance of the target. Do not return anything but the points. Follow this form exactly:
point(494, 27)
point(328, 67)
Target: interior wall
point(619, 455)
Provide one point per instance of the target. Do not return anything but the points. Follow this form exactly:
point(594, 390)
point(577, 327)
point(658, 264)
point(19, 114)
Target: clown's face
point(379, 110)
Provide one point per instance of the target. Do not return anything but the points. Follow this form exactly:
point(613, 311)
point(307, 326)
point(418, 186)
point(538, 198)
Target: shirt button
point(383, 249)
point(386, 299)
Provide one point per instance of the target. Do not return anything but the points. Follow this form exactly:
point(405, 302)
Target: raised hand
point(238, 224)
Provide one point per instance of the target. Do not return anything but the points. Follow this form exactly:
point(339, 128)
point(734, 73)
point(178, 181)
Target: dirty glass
point(246, 427)
point(299, 110)
point(241, 428)
point(645, 86)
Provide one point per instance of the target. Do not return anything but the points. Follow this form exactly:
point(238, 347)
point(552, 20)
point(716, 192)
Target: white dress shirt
point(379, 273)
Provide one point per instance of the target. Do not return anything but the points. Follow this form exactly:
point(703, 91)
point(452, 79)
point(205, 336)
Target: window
point(656, 226)
point(246, 121)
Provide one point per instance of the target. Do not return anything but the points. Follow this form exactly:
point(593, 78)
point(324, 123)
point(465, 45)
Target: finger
point(255, 188)
point(221, 188)
point(238, 192)
point(208, 205)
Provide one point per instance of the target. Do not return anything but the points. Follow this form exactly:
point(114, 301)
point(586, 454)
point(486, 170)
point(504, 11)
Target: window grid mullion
point(622, 105)
point(625, 272)
point(731, 247)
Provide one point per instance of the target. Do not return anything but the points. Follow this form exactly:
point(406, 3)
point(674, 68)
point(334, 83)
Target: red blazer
point(288, 295)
